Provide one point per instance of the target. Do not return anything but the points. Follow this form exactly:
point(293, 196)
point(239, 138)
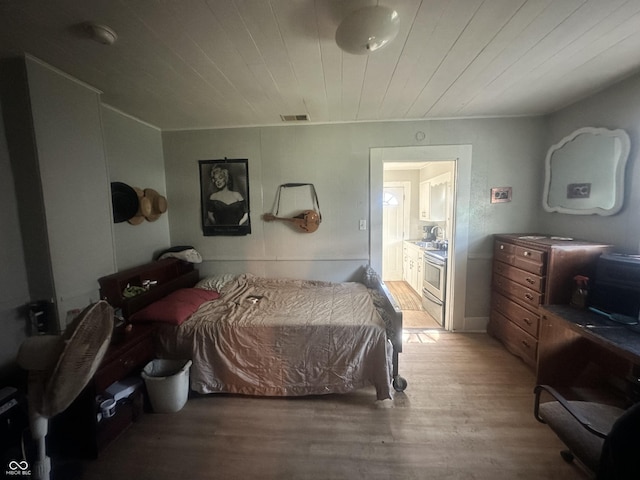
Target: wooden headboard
point(170, 274)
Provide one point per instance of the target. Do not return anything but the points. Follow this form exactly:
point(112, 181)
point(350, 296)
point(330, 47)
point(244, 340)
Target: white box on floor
point(123, 388)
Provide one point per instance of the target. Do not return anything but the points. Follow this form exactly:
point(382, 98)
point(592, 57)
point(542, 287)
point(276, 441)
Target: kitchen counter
point(429, 249)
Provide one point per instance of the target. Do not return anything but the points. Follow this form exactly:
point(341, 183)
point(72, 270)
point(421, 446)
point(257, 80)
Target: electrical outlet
point(363, 224)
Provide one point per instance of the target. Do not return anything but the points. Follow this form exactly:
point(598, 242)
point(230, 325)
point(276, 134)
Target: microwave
point(616, 286)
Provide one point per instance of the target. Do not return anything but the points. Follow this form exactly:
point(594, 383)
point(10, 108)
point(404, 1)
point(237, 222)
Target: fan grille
point(87, 344)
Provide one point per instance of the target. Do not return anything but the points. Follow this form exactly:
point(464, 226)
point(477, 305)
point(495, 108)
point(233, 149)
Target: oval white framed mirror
point(584, 172)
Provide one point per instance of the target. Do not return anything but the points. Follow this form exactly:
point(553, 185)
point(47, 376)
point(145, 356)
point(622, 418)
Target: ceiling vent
point(295, 118)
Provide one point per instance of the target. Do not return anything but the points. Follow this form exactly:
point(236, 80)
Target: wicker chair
point(605, 438)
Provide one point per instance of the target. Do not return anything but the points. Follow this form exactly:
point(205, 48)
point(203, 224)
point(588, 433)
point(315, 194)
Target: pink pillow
point(176, 307)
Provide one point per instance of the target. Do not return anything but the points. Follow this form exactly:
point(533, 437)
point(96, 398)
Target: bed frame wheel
point(399, 383)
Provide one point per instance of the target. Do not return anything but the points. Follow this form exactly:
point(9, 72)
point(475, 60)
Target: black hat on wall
point(124, 200)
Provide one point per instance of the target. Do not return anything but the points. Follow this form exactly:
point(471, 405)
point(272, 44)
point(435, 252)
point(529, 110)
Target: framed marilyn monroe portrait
point(224, 197)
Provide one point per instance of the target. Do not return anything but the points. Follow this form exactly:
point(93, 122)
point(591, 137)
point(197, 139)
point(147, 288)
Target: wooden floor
point(413, 316)
point(466, 414)
point(406, 296)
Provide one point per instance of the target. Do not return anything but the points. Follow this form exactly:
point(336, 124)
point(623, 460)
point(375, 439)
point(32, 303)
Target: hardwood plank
point(467, 413)
point(406, 297)
point(413, 316)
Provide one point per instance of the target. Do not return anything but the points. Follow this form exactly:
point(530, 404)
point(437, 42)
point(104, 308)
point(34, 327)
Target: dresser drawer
point(516, 340)
point(528, 279)
point(504, 252)
point(530, 254)
point(525, 319)
point(530, 260)
point(527, 259)
point(518, 293)
point(134, 357)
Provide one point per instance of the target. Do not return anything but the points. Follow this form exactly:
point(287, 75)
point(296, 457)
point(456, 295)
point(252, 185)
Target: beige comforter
point(285, 337)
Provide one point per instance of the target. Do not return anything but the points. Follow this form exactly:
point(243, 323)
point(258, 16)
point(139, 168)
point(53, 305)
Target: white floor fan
point(59, 367)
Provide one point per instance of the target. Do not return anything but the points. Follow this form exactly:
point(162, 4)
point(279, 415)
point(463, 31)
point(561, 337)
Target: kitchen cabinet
point(412, 266)
point(434, 196)
point(529, 271)
point(424, 200)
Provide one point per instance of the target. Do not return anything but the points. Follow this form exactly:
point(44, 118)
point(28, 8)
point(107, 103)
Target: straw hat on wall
point(144, 208)
point(158, 204)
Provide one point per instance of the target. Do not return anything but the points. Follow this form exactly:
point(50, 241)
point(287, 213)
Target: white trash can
point(167, 383)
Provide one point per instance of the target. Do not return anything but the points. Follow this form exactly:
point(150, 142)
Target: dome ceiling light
point(102, 34)
point(367, 30)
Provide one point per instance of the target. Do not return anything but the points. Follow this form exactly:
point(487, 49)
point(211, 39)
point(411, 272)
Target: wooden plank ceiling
point(181, 64)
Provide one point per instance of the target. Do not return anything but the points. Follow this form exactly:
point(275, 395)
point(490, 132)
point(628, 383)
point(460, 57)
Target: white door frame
point(459, 244)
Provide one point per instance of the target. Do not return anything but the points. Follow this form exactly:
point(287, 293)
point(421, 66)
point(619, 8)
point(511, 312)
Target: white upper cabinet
point(434, 197)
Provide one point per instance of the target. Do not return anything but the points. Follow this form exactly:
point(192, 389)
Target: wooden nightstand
point(77, 432)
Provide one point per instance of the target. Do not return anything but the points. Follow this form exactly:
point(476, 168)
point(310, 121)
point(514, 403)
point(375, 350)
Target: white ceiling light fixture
point(102, 34)
point(367, 30)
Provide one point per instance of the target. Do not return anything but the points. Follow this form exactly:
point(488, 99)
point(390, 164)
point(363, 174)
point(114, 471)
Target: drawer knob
point(526, 344)
point(527, 321)
point(501, 247)
point(530, 280)
point(528, 296)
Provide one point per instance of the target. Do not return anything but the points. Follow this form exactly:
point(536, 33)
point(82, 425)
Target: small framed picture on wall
point(224, 197)
point(500, 194)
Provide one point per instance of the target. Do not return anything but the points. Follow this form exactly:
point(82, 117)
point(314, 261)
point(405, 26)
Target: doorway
point(458, 244)
point(408, 269)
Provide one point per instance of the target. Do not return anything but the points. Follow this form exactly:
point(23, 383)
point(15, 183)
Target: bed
point(267, 336)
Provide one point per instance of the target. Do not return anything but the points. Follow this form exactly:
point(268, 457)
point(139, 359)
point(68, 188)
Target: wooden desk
point(588, 357)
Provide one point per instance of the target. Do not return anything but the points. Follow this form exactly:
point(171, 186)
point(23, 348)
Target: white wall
point(68, 141)
point(506, 152)
point(14, 288)
point(75, 189)
point(134, 156)
point(615, 107)
point(276, 156)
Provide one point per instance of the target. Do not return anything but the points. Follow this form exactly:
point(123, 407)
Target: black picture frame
point(225, 210)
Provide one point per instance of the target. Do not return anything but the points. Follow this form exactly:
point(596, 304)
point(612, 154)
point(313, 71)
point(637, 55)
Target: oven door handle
point(434, 263)
point(431, 297)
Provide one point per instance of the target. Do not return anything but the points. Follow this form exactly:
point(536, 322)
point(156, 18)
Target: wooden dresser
point(531, 270)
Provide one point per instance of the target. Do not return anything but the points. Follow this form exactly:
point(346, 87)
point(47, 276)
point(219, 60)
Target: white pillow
point(215, 282)
point(188, 255)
